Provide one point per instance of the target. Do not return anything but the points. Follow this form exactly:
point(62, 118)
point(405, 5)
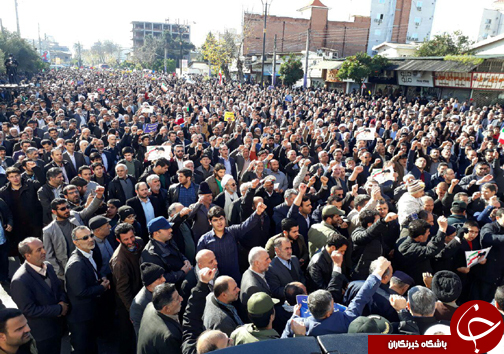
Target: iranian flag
point(501, 136)
point(220, 76)
point(164, 87)
point(471, 258)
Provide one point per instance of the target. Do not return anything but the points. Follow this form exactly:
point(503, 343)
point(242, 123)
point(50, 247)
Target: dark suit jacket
point(38, 301)
point(70, 172)
point(252, 283)
point(79, 160)
point(279, 275)
point(136, 204)
point(158, 333)
point(82, 287)
point(115, 190)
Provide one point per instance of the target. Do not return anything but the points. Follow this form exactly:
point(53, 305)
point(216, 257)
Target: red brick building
point(346, 37)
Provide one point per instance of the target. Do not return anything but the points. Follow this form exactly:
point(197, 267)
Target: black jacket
point(70, 171)
point(193, 317)
point(171, 263)
point(158, 333)
point(38, 301)
point(368, 246)
point(414, 258)
point(493, 235)
point(83, 288)
point(115, 190)
point(136, 204)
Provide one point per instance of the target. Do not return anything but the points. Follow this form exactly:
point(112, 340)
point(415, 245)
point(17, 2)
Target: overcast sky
point(69, 21)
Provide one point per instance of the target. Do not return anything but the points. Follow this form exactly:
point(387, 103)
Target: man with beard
point(15, 336)
point(228, 195)
point(125, 265)
point(159, 195)
point(290, 229)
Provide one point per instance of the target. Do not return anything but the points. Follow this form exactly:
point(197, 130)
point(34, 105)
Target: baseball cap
point(159, 223)
point(329, 210)
point(260, 303)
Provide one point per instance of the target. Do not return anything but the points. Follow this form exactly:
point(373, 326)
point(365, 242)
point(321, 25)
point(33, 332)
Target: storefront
point(331, 80)
point(488, 88)
point(418, 84)
point(456, 85)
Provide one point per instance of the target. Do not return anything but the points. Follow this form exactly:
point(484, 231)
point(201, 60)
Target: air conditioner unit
point(417, 73)
point(417, 23)
point(419, 8)
point(487, 27)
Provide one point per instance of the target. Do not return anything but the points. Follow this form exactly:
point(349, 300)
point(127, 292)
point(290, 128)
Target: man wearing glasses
point(84, 287)
point(57, 235)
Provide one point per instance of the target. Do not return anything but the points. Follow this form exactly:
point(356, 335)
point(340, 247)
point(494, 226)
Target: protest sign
point(157, 151)
point(229, 117)
point(366, 134)
point(151, 127)
point(475, 257)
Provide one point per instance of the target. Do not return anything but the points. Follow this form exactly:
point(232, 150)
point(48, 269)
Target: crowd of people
point(188, 216)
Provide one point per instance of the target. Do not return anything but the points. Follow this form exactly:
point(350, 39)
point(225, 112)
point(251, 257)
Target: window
point(488, 21)
point(379, 16)
point(485, 35)
point(414, 36)
point(418, 20)
point(377, 32)
point(381, 1)
point(419, 5)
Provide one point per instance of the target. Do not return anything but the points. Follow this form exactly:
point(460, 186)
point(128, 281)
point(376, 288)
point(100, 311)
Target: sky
point(69, 21)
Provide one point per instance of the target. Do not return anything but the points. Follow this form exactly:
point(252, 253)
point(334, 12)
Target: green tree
point(291, 69)
point(28, 58)
point(219, 54)
point(445, 44)
point(360, 66)
point(78, 52)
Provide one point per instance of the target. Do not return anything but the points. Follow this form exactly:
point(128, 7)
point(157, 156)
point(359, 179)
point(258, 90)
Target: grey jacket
point(252, 283)
point(218, 317)
point(55, 243)
point(278, 276)
point(138, 306)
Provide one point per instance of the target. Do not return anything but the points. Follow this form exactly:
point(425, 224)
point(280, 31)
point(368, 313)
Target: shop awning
point(434, 65)
point(328, 65)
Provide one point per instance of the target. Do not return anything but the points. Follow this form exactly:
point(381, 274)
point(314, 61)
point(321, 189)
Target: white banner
point(488, 81)
point(415, 78)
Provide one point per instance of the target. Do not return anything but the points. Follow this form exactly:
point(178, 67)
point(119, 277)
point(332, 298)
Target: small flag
point(220, 76)
point(501, 136)
point(164, 87)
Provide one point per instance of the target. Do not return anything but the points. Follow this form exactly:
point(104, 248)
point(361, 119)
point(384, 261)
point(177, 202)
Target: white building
point(400, 21)
point(396, 50)
point(490, 46)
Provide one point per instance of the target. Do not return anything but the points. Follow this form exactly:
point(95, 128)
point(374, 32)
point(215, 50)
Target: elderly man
point(411, 201)
point(228, 196)
point(254, 278)
point(284, 268)
point(122, 187)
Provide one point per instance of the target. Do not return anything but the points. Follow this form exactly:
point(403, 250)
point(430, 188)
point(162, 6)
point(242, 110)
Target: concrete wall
point(382, 21)
point(491, 24)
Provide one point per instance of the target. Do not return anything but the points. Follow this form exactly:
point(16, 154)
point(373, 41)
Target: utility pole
point(344, 40)
point(265, 2)
point(273, 78)
point(17, 18)
point(305, 79)
point(165, 54)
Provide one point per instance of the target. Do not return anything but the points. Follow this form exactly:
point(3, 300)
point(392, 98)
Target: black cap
point(447, 286)
point(150, 273)
point(97, 222)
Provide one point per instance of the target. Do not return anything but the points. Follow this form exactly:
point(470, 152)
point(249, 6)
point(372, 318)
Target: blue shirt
point(225, 248)
point(148, 210)
point(187, 196)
